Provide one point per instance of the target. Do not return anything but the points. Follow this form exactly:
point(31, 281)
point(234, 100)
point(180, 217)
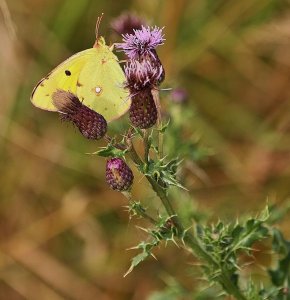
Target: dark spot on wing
point(103, 61)
point(79, 84)
point(47, 95)
point(106, 108)
point(67, 72)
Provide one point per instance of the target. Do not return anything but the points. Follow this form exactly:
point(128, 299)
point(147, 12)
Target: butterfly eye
point(67, 72)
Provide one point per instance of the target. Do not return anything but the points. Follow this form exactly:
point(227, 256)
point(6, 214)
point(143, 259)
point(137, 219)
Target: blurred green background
point(63, 233)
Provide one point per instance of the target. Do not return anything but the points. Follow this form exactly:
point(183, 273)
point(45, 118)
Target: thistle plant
point(218, 247)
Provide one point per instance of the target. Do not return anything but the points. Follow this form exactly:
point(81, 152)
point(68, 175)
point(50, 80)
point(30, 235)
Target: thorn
point(133, 248)
point(128, 272)
point(173, 240)
point(202, 279)
point(143, 229)
point(196, 264)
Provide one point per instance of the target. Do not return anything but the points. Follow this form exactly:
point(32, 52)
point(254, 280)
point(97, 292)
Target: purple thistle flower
point(142, 42)
point(126, 23)
point(91, 124)
point(118, 174)
point(142, 75)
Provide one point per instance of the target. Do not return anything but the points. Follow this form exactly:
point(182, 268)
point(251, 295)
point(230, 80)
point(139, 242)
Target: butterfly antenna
point(98, 25)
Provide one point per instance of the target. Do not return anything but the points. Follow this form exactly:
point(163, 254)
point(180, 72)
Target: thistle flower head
point(126, 23)
point(142, 75)
point(118, 174)
point(143, 111)
point(91, 124)
point(142, 42)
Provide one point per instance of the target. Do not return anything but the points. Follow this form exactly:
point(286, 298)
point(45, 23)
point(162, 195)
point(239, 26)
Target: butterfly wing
point(100, 84)
point(64, 76)
point(94, 75)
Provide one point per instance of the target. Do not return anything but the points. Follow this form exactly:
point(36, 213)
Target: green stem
point(133, 154)
point(146, 145)
point(139, 212)
point(155, 94)
point(156, 187)
point(187, 237)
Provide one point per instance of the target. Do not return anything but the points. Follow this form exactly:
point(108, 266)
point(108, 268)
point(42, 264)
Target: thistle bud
point(91, 124)
point(127, 22)
point(143, 111)
point(118, 175)
point(179, 96)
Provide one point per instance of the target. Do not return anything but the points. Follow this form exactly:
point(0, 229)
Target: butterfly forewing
point(64, 76)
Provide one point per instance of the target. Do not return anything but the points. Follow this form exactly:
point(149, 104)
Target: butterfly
point(93, 75)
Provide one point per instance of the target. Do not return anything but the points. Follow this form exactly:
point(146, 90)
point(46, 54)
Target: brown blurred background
point(63, 233)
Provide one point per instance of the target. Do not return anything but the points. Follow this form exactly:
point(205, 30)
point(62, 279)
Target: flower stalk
point(156, 98)
point(146, 145)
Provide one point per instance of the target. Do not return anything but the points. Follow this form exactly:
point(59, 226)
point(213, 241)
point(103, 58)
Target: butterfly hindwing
point(100, 85)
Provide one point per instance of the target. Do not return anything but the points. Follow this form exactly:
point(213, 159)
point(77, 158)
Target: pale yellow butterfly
point(93, 75)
